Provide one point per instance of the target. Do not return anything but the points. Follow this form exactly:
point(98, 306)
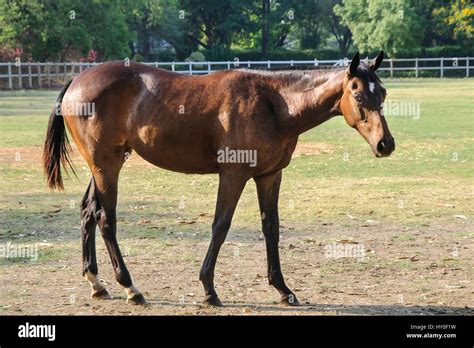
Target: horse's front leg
point(268, 189)
point(230, 189)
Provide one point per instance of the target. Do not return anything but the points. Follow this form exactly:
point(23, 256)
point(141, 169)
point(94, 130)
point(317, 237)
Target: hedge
point(225, 54)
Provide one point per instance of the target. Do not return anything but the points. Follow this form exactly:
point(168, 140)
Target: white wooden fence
point(18, 75)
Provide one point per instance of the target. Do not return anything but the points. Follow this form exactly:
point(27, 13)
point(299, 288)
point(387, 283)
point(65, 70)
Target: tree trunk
point(345, 43)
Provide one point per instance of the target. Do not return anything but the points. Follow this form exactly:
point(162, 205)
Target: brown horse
point(202, 124)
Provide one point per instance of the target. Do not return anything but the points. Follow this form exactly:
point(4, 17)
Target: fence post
point(442, 68)
point(65, 72)
point(10, 82)
point(30, 78)
point(269, 65)
point(228, 65)
point(391, 67)
point(190, 68)
point(20, 82)
point(467, 66)
point(208, 67)
point(39, 74)
point(49, 73)
point(172, 67)
point(416, 67)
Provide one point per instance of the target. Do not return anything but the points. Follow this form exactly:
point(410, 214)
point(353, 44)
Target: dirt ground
point(383, 268)
point(388, 277)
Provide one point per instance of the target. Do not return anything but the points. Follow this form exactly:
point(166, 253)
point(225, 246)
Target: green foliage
point(214, 22)
point(391, 25)
point(284, 54)
point(196, 57)
point(459, 18)
point(219, 53)
point(165, 55)
point(61, 29)
point(168, 22)
point(148, 30)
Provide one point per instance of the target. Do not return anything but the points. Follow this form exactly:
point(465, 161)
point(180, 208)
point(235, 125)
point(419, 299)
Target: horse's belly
point(183, 154)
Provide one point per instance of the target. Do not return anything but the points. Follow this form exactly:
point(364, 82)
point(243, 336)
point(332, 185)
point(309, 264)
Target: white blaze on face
point(371, 87)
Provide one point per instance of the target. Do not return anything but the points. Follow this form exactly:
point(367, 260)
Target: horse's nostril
point(381, 146)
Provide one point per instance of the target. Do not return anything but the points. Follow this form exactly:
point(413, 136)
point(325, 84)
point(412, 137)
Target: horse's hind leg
point(89, 210)
point(106, 180)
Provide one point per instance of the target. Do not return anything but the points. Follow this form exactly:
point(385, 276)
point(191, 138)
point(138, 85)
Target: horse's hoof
point(137, 299)
point(101, 295)
point(290, 300)
point(213, 301)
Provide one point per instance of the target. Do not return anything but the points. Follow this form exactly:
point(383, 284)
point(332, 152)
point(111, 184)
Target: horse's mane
point(297, 78)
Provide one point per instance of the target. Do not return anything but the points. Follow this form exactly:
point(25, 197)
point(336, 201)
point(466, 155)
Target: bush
point(164, 55)
point(448, 51)
point(196, 57)
point(284, 54)
point(137, 57)
point(219, 53)
point(435, 52)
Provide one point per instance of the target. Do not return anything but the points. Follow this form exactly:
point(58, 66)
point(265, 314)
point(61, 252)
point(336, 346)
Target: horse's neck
point(303, 110)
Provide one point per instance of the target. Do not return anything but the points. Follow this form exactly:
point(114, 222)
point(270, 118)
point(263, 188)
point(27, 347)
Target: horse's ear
point(354, 64)
point(377, 62)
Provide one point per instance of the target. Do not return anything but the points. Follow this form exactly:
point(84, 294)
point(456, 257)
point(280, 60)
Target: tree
point(18, 20)
point(458, 18)
point(265, 28)
point(139, 24)
point(267, 24)
point(212, 23)
point(62, 30)
point(170, 23)
point(341, 32)
point(391, 25)
point(310, 21)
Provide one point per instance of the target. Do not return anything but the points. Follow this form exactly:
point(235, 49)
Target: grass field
point(411, 213)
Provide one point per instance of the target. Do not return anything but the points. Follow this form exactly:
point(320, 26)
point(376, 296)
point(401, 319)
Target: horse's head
point(361, 105)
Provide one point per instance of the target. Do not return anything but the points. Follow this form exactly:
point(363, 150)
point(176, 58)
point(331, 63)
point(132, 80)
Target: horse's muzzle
point(385, 147)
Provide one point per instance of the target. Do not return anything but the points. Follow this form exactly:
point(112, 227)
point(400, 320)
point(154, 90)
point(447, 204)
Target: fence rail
point(18, 75)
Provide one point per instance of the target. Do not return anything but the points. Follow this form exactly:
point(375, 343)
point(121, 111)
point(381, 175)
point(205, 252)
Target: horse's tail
point(56, 146)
